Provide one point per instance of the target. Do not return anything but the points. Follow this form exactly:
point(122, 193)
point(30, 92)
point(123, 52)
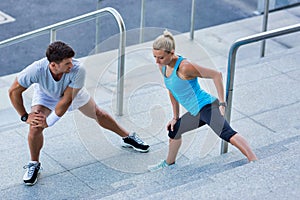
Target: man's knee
point(35, 131)
point(101, 113)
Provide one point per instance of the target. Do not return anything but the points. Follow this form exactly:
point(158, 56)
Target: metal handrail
point(232, 59)
point(264, 27)
point(142, 23)
point(192, 25)
point(76, 20)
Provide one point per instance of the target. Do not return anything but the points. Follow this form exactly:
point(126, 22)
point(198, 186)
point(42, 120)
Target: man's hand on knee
point(37, 119)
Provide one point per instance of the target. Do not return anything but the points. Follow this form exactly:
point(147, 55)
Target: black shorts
point(210, 115)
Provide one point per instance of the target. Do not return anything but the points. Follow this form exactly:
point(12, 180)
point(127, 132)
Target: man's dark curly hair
point(58, 51)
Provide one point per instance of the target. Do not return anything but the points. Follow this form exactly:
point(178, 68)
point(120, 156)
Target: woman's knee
point(174, 135)
point(228, 136)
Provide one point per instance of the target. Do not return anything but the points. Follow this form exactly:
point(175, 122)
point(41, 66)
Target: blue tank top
point(187, 92)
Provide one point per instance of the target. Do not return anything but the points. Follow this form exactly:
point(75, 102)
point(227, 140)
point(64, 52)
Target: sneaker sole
point(35, 181)
point(136, 149)
point(31, 184)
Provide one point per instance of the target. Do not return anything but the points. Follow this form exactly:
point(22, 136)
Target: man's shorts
point(40, 98)
point(210, 115)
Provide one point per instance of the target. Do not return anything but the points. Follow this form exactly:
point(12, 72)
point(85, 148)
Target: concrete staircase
point(223, 177)
point(83, 161)
point(272, 129)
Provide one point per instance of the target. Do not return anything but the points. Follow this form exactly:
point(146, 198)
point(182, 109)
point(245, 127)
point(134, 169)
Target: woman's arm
point(190, 70)
point(175, 106)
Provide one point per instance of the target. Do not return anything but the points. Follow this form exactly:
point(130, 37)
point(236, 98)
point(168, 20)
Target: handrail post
point(229, 90)
point(52, 35)
point(142, 23)
point(232, 61)
point(97, 28)
point(264, 27)
point(121, 63)
point(192, 20)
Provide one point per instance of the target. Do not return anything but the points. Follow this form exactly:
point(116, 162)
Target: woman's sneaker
point(159, 166)
point(136, 143)
point(30, 177)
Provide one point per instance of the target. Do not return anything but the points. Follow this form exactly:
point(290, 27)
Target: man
point(58, 87)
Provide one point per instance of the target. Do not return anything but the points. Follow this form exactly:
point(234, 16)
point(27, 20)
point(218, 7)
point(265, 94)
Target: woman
point(181, 79)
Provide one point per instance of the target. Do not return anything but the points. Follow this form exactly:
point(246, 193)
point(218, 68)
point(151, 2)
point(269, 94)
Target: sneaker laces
point(31, 167)
point(158, 166)
point(163, 164)
point(136, 138)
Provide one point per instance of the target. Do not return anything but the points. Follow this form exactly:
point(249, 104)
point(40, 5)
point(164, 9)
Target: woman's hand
point(222, 110)
point(170, 125)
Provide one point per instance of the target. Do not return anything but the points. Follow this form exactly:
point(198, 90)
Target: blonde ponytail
point(164, 42)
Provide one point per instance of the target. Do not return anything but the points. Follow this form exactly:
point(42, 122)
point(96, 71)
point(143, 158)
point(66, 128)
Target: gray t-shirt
point(39, 72)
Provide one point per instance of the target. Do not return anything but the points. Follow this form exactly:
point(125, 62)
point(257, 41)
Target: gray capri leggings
point(210, 115)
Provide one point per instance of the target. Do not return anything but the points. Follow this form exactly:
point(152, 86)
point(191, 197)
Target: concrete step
point(223, 177)
point(265, 178)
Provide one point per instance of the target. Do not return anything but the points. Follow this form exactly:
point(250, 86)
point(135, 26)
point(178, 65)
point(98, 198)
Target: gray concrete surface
point(82, 161)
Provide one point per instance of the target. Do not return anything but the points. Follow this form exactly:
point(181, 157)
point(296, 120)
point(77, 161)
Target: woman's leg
point(212, 116)
point(238, 141)
point(184, 124)
point(174, 146)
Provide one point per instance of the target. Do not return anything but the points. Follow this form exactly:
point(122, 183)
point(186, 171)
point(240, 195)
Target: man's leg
point(35, 143)
point(106, 121)
point(35, 136)
point(103, 118)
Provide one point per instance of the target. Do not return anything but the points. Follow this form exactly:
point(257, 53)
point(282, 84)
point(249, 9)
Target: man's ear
point(52, 64)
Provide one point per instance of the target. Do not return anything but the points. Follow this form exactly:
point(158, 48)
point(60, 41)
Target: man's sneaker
point(136, 143)
point(30, 177)
point(159, 166)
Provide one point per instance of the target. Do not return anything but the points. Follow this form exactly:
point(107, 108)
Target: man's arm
point(65, 102)
point(60, 109)
point(16, 98)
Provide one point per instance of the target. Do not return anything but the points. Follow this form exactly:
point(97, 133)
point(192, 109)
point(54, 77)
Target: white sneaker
point(30, 176)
